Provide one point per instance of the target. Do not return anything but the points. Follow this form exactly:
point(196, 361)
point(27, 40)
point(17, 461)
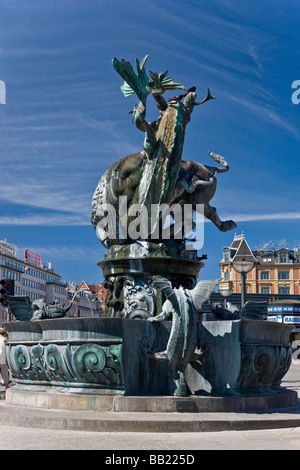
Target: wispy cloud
point(58, 220)
point(266, 112)
point(265, 217)
point(66, 120)
point(61, 220)
point(45, 196)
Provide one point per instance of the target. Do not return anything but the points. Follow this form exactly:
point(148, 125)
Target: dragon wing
point(139, 83)
point(134, 83)
point(20, 306)
point(202, 292)
point(253, 310)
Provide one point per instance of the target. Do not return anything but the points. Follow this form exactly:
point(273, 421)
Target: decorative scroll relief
point(263, 366)
point(88, 364)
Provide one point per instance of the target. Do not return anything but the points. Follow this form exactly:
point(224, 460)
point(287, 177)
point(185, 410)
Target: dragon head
point(140, 84)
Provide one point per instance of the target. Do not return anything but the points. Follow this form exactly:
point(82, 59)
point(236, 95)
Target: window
point(264, 275)
point(227, 276)
point(283, 258)
point(284, 290)
point(265, 290)
point(283, 274)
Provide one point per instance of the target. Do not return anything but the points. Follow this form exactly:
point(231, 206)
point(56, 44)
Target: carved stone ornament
point(67, 365)
point(139, 298)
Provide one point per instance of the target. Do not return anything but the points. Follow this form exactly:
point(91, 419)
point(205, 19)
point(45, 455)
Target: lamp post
point(226, 291)
point(243, 266)
point(243, 262)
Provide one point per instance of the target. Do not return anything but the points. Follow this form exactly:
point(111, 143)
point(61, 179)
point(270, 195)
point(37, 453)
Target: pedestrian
point(3, 364)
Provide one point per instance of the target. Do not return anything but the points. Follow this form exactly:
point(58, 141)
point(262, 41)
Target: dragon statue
point(156, 175)
point(24, 310)
point(181, 306)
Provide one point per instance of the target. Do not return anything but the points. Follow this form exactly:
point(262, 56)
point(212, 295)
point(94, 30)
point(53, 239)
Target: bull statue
point(157, 175)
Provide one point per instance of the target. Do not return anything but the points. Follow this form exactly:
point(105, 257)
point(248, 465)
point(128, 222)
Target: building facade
point(38, 280)
point(31, 277)
point(99, 292)
point(276, 271)
point(93, 298)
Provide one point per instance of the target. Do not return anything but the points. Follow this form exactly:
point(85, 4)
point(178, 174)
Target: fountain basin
point(241, 367)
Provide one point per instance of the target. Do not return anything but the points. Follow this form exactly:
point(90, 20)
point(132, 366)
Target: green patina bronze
point(153, 339)
point(156, 177)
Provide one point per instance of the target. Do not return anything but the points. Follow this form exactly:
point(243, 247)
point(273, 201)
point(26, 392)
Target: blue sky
point(66, 121)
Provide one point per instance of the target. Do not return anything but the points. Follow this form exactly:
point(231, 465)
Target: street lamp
point(243, 267)
point(226, 290)
point(243, 262)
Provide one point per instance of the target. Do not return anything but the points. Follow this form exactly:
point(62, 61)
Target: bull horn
point(208, 97)
point(191, 187)
point(194, 185)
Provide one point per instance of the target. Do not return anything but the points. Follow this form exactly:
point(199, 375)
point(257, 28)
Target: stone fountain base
point(108, 364)
point(63, 400)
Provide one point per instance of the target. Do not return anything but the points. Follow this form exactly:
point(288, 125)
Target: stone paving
point(15, 438)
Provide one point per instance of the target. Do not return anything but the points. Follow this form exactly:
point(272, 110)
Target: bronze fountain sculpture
point(153, 339)
point(156, 177)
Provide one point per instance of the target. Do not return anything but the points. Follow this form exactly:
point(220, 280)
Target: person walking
point(3, 364)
